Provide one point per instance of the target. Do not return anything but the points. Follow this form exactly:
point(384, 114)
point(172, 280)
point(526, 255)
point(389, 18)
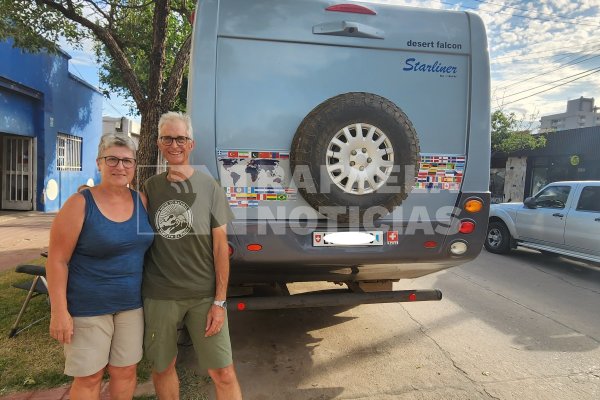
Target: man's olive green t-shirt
point(180, 264)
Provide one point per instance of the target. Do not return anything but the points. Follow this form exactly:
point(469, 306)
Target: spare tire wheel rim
point(359, 158)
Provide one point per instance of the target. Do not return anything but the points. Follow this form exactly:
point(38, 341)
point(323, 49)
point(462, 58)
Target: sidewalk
point(62, 393)
point(23, 235)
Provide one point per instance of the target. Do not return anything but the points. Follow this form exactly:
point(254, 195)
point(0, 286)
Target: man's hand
point(214, 320)
point(61, 326)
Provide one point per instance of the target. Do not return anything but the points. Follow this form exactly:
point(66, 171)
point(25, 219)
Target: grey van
point(352, 140)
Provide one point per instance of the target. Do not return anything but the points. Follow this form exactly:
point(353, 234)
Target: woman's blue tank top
point(105, 270)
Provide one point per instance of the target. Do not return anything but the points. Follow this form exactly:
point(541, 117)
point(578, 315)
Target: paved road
point(522, 326)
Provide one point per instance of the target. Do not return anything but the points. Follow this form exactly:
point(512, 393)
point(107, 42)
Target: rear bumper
point(288, 254)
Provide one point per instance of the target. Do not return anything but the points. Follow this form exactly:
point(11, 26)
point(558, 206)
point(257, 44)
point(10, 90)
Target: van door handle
point(558, 215)
point(348, 28)
point(597, 220)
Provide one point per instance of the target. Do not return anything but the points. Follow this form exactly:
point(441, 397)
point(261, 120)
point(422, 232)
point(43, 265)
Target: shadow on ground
point(264, 361)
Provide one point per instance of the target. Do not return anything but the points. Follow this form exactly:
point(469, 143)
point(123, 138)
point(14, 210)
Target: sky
point(542, 53)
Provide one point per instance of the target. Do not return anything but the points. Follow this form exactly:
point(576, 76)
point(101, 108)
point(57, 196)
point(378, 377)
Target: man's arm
point(216, 314)
point(221, 258)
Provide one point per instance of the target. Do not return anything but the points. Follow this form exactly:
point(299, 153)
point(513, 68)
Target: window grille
point(68, 152)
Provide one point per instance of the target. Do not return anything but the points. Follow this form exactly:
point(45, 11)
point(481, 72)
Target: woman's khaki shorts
point(160, 336)
point(114, 339)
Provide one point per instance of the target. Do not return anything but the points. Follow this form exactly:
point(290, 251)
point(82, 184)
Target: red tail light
point(412, 297)
point(466, 226)
point(351, 8)
point(254, 247)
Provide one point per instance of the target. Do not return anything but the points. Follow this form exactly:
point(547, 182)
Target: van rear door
point(277, 60)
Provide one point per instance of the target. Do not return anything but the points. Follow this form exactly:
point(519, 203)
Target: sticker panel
point(251, 177)
point(440, 172)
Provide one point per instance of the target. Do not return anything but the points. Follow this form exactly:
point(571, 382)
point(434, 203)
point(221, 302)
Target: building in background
point(568, 155)
point(581, 113)
point(50, 126)
point(122, 125)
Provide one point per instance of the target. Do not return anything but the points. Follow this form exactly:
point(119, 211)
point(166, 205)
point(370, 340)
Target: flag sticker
point(392, 237)
point(440, 172)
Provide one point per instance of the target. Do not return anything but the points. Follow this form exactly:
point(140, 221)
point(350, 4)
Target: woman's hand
point(61, 326)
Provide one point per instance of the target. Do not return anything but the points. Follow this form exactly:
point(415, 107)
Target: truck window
point(553, 197)
point(589, 199)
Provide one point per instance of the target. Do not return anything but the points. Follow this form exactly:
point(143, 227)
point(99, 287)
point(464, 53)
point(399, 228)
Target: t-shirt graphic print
point(173, 219)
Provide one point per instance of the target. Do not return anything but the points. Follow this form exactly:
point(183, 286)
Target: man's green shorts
point(162, 318)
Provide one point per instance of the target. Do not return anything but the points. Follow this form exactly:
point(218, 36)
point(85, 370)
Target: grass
point(32, 360)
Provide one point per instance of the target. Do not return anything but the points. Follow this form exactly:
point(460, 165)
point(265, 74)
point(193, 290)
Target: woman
point(94, 272)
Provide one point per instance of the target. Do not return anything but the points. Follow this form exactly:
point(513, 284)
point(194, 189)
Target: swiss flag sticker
point(318, 238)
point(392, 237)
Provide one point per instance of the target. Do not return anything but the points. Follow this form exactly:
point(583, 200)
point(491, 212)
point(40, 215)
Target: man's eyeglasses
point(112, 161)
point(168, 140)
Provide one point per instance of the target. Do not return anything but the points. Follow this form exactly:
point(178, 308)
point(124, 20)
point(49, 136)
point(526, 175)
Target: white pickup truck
point(561, 219)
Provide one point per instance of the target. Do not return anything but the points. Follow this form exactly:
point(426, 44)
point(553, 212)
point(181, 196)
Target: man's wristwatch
point(220, 303)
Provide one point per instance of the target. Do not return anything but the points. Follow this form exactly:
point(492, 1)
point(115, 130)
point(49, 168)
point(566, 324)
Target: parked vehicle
point(563, 218)
point(352, 140)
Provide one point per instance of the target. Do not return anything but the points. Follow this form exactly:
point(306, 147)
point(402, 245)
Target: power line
point(537, 58)
point(544, 51)
point(549, 83)
point(113, 107)
point(565, 65)
point(106, 99)
point(524, 9)
point(546, 90)
point(78, 72)
point(518, 16)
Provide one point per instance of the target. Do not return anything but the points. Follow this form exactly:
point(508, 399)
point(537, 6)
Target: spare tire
point(368, 150)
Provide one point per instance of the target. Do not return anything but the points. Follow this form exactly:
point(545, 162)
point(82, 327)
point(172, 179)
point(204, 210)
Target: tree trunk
point(148, 151)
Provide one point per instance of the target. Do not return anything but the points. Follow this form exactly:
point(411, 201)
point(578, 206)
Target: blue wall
point(40, 98)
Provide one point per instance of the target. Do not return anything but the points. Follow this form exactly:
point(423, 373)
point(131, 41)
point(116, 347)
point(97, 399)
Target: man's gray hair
point(176, 116)
point(116, 139)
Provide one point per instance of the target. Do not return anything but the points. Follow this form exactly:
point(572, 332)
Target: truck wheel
point(355, 151)
point(498, 238)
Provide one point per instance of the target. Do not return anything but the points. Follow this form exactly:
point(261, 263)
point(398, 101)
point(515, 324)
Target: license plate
point(347, 239)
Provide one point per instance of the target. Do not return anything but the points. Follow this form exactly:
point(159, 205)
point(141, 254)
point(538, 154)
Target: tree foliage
point(507, 135)
point(143, 47)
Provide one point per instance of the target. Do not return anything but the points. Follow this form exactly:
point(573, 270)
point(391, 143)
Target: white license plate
point(345, 239)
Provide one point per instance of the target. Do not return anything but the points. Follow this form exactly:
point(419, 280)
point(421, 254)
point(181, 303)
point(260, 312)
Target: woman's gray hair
point(176, 116)
point(116, 139)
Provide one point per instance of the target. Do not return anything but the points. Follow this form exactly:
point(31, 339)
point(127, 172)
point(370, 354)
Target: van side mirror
point(530, 202)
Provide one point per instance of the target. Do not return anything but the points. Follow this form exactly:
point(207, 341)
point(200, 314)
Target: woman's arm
point(64, 234)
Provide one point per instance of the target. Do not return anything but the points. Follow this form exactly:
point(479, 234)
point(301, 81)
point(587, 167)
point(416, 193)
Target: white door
point(17, 170)
point(545, 224)
point(582, 232)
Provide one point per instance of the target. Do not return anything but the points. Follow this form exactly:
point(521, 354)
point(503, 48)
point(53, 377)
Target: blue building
point(50, 127)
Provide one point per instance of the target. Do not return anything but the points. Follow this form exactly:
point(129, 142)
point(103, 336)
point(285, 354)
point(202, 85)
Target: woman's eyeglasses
point(112, 161)
point(168, 140)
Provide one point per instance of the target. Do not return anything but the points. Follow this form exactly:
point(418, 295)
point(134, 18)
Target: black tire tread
point(305, 140)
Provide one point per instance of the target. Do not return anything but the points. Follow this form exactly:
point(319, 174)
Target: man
point(187, 268)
